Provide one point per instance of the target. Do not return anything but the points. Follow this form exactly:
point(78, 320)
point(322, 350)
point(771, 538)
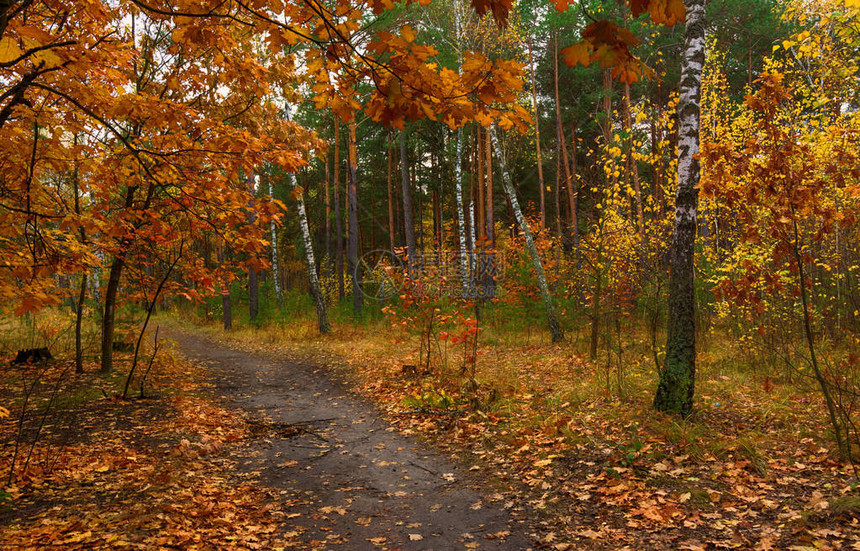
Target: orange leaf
point(577, 54)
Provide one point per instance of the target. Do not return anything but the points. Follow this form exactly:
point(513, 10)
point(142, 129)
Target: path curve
point(349, 480)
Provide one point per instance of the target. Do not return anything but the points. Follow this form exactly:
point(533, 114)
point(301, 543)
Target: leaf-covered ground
point(135, 474)
point(555, 441)
point(597, 468)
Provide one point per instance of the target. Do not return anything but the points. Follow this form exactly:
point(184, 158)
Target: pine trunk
point(253, 280)
point(392, 228)
point(678, 376)
point(406, 191)
point(491, 217)
point(437, 221)
point(338, 222)
point(631, 167)
point(556, 192)
point(607, 107)
point(541, 185)
point(562, 148)
point(352, 197)
point(327, 267)
point(573, 191)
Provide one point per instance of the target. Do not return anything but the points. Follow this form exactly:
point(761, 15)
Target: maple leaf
point(578, 54)
point(499, 8)
point(9, 50)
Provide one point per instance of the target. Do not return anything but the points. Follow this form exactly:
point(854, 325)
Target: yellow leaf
point(9, 50)
point(78, 537)
point(47, 59)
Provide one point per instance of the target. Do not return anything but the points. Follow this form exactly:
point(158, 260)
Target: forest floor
point(268, 440)
point(245, 452)
point(347, 475)
point(576, 446)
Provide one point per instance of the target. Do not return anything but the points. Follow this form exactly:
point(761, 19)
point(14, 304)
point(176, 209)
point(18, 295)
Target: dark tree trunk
point(226, 301)
point(562, 150)
point(253, 294)
point(327, 266)
point(537, 138)
point(437, 221)
point(573, 192)
point(79, 311)
point(338, 223)
point(491, 217)
point(631, 167)
point(109, 318)
point(481, 214)
point(607, 107)
point(678, 376)
point(406, 191)
point(79, 314)
point(253, 275)
point(392, 226)
point(352, 197)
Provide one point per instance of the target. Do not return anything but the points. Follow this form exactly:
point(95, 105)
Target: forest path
point(347, 478)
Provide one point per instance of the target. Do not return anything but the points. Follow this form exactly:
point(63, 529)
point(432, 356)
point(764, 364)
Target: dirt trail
point(348, 479)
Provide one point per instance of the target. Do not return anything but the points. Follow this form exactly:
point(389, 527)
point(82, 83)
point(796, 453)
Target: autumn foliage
point(228, 158)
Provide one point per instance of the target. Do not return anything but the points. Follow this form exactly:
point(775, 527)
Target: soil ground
point(347, 479)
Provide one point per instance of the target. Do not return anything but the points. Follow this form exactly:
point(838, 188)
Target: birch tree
point(458, 176)
point(552, 321)
point(313, 280)
point(273, 230)
point(678, 376)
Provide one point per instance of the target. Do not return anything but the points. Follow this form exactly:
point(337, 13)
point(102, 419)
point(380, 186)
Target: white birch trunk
point(677, 378)
point(275, 266)
point(461, 222)
point(313, 280)
point(458, 181)
point(554, 327)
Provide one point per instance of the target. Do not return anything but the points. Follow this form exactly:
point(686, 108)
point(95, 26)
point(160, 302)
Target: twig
point(151, 360)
